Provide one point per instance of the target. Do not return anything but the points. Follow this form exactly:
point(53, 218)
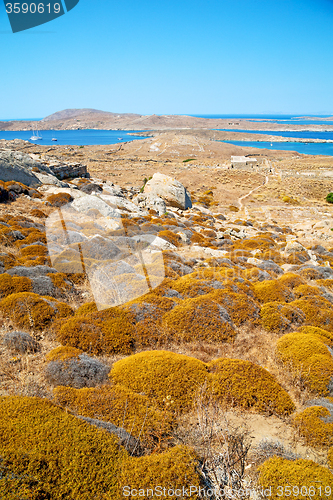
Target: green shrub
point(329, 198)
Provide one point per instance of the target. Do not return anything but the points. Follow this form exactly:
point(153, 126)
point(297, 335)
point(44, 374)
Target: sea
point(75, 137)
point(105, 137)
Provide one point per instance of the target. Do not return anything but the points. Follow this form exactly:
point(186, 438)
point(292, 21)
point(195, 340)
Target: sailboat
point(36, 136)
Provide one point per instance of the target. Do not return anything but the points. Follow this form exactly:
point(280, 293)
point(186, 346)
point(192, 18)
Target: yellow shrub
point(200, 319)
point(330, 458)
point(279, 317)
point(38, 213)
point(326, 337)
point(86, 309)
point(272, 291)
point(34, 251)
point(261, 242)
point(171, 237)
point(173, 470)
point(282, 477)
point(200, 239)
point(242, 383)
point(307, 355)
point(318, 311)
point(190, 287)
point(63, 456)
point(311, 425)
point(33, 236)
point(60, 199)
point(328, 283)
point(121, 406)
point(62, 353)
point(8, 260)
point(110, 331)
point(148, 311)
point(306, 291)
point(291, 280)
point(240, 307)
point(60, 281)
point(29, 310)
point(165, 377)
point(12, 284)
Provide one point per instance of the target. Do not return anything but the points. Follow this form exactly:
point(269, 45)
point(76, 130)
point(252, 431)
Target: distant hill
point(68, 114)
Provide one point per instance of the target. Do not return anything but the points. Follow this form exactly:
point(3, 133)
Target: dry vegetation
point(222, 374)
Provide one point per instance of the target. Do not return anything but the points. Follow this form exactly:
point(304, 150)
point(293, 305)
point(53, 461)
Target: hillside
point(163, 318)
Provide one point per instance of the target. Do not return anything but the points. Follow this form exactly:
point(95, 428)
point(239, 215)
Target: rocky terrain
point(170, 318)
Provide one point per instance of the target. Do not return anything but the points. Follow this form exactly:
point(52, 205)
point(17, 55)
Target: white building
point(243, 162)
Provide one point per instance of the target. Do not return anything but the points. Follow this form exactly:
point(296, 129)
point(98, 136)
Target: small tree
point(329, 198)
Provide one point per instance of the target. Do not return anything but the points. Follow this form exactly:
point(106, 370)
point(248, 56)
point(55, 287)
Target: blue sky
point(167, 56)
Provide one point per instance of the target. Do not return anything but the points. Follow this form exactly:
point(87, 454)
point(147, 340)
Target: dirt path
point(240, 200)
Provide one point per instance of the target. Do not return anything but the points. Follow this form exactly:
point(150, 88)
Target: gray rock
point(31, 272)
point(150, 200)
point(170, 190)
point(17, 166)
point(50, 179)
point(89, 202)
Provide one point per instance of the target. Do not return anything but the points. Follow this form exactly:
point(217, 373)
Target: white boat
point(36, 136)
point(54, 139)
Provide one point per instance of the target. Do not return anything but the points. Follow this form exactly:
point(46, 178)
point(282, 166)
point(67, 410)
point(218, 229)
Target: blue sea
point(303, 134)
point(281, 119)
point(315, 148)
point(75, 137)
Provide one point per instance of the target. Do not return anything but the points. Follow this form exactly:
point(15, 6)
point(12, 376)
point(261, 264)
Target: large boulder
point(170, 190)
point(18, 167)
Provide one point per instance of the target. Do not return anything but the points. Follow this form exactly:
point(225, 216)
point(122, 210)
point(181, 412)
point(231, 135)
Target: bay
point(315, 148)
point(84, 137)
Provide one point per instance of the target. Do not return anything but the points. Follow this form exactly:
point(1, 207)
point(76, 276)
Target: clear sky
point(172, 56)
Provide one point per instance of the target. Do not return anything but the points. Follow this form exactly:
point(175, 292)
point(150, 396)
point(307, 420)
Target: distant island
point(80, 119)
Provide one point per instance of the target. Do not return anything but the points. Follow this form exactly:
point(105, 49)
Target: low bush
point(299, 478)
point(199, 319)
point(110, 331)
point(124, 408)
point(173, 471)
point(330, 458)
point(78, 371)
point(242, 383)
point(280, 317)
point(308, 356)
point(20, 342)
point(29, 310)
point(318, 311)
point(50, 454)
point(311, 425)
point(291, 280)
point(148, 312)
point(272, 291)
point(171, 237)
point(329, 198)
point(14, 284)
point(165, 377)
point(60, 199)
point(239, 306)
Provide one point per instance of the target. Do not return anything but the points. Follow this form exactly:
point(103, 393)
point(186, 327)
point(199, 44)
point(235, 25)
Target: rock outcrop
point(170, 190)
